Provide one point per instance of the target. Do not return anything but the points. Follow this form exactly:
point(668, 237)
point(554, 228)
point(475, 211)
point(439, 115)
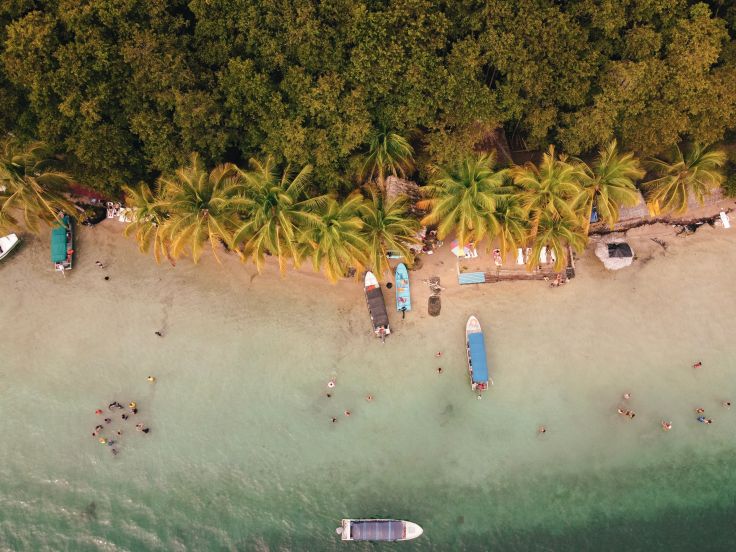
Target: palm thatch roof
point(615, 253)
point(396, 187)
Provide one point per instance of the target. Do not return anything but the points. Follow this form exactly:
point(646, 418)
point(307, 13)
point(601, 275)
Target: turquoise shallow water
point(243, 456)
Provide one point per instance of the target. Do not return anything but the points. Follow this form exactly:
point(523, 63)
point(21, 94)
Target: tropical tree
point(609, 184)
point(463, 198)
point(696, 172)
point(387, 227)
point(29, 186)
point(513, 224)
point(276, 210)
point(199, 207)
point(550, 187)
point(556, 233)
point(388, 153)
point(335, 242)
point(148, 219)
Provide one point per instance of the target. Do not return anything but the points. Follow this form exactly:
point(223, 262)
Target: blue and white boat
point(403, 295)
point(387, 530)
point(476, 350)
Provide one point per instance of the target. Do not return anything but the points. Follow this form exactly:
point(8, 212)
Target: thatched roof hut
point(396, 187)
point(614, 253)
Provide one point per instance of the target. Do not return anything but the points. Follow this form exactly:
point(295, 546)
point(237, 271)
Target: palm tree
point(464, 199)
point(335, 242)
point(276, 210)
point(609, 184)
point(556, 233)
point(199, 207)
point(550, 188)
point(30, 186)
point(148, 219)
point(697, 173)
point(513, 225)
point(388, 153)
point(387, 227)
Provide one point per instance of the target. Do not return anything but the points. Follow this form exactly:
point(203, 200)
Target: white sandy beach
point(243, 366)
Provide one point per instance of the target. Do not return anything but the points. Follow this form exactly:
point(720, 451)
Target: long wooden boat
point(376, 306)
point(62, 244)
point(476, 354)
point(378, 530)
point(403, 295)
point(7, 244)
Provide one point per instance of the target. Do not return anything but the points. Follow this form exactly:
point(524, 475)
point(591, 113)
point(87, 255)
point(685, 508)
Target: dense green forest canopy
point(127, 89)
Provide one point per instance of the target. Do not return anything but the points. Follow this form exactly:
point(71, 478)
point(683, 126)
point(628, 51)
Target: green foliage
point(335, 241)
point(695, 173)
point(610, 183)
point(30, 187)
point(463, 199)
point(124, 90)
point(387, 226)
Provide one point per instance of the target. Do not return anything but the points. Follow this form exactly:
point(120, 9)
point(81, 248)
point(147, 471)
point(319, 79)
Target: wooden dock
point(508, 272)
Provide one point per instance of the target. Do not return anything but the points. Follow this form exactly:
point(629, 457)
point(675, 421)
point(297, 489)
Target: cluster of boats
point(62, 244)
point(474, 340)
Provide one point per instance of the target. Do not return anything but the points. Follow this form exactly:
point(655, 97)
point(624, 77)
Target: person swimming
point(439, 370)
point(666, 425)
point(124, 416)
point(331, 383)
point(151, 379)
point(438, 354)
point(700, 410)
point(701, 419)
point(697, 364)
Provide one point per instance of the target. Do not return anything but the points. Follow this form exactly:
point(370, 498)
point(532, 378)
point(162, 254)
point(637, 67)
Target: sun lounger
point(520, 256)
point(543, 255)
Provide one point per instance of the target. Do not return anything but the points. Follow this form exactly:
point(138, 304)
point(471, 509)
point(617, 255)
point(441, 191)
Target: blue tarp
point(58, 242)
point(377, 530)
point(478, 358)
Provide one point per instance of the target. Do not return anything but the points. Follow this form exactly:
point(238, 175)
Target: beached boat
point(378, 530)
point(7, 244)
point(403, 295)
point(62, 244)
point(476, 351)
point(376, 306)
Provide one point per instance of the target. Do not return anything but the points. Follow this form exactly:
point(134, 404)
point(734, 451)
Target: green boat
point(62, 244)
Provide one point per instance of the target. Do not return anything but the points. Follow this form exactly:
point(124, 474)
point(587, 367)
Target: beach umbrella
point(465, 251)
point(456, 250)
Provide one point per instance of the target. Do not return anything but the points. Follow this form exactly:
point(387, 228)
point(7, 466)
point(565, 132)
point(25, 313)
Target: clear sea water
point(242, 453)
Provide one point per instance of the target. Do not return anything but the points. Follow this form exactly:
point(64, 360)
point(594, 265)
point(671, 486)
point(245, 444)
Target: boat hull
point(476, 356)
point(403, 290)
point(376, 306)
point(378, 530)
point(8, 244)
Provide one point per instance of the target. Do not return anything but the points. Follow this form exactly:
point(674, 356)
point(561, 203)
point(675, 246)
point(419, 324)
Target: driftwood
point(683, 223)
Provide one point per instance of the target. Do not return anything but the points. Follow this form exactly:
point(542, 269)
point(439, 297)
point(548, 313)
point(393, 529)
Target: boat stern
point(344, 530)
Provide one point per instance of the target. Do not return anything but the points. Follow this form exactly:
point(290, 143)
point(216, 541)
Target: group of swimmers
point(131, 410)
point(667, 425)
point(331, 385)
